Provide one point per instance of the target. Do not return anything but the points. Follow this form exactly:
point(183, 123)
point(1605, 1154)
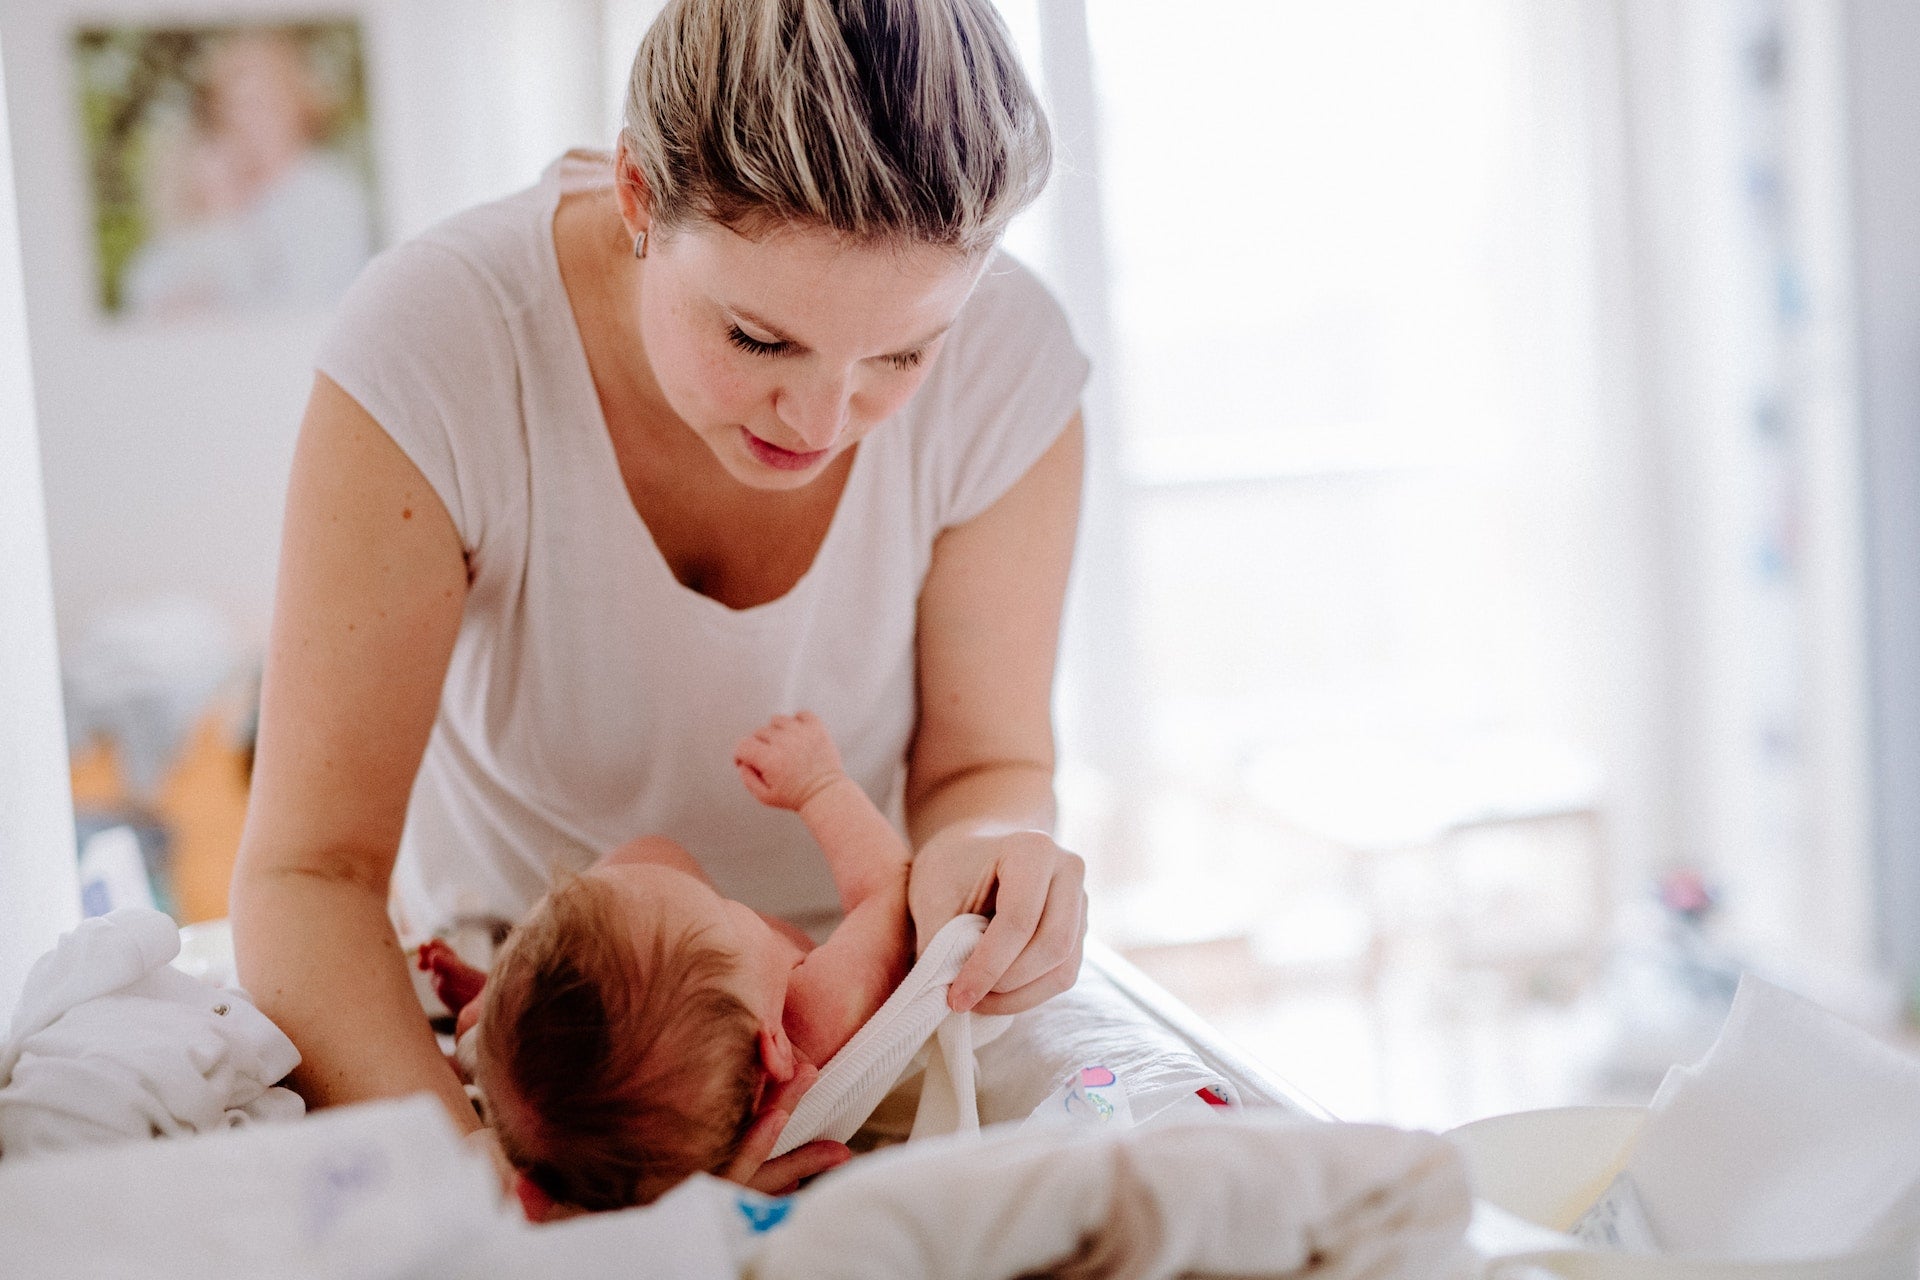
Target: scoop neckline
point(557, 179)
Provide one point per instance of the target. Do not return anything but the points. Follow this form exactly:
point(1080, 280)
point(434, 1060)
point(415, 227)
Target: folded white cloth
point(852, 1084)
point(1250, 1193)
point(1797, 1136)
point(108, 1043)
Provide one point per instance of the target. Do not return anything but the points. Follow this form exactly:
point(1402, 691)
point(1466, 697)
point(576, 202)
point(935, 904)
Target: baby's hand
point(789, 761)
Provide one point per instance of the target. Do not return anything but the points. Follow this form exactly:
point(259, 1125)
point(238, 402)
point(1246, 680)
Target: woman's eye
point(906, 360)
point(752, 345)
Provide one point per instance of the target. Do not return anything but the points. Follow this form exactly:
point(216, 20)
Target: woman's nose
point(817, 412)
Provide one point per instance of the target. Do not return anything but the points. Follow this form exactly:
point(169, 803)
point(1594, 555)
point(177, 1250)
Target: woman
point(597, 477)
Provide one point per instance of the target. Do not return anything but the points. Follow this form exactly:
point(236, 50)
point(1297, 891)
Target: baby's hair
point(611, 1069)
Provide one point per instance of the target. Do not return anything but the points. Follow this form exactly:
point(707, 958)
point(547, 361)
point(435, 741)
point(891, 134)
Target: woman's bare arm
point(371, 586)
point(980, 773)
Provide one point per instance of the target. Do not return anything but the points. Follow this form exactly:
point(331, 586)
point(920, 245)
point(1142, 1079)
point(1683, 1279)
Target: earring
point(640, 245)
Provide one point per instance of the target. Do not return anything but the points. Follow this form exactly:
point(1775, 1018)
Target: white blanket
point(380, 1191)
point(1244, 1194)
point(108, 1043)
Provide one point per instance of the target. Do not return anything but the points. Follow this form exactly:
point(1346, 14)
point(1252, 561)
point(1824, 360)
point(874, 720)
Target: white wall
point(1883, 46)
point(166, 449)
point(39, 891)
point(1690, 343)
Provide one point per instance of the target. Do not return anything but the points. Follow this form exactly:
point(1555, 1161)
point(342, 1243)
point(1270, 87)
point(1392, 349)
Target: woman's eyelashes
point(746, 342)
point(753, 346)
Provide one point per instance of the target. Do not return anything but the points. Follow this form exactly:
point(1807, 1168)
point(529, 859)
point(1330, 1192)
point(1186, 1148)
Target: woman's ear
point(630, 189)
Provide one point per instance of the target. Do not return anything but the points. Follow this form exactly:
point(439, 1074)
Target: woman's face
point(783, 351)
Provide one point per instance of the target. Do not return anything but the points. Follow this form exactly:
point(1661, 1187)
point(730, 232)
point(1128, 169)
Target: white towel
point(1251, 1193)
point(1797, 1136)
point(108, 1043)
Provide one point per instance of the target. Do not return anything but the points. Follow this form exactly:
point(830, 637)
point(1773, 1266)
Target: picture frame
point(229, 164)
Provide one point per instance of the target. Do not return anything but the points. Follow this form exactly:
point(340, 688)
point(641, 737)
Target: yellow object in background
point(202, 803)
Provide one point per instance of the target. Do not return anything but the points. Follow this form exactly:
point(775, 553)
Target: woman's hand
point(783, 1175)
point(1033, 892)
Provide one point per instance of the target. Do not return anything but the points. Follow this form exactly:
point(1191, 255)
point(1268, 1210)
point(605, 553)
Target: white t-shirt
point(591, 697)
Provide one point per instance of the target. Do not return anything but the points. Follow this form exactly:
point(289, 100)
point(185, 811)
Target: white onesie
point(591, 697)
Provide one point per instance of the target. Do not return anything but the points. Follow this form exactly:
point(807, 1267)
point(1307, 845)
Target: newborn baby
point(635, 1024)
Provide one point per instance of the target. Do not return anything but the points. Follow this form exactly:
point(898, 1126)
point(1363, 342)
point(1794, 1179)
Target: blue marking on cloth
point(763, 1215)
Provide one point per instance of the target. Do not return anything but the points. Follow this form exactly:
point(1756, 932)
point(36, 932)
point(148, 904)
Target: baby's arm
point(791, 763)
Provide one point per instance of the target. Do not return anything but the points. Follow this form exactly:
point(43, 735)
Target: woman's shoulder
point(1008, 380)
point(498, 246)
point(1012, 310)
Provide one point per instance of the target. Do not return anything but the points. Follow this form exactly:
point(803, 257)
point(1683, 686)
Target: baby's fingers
point(751, 778)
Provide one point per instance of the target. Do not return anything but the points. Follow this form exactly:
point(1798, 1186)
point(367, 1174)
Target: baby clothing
point(852, 1084)
point(592, 697)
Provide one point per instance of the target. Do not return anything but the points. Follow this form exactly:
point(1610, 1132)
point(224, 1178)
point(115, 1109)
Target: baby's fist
point(788, 761)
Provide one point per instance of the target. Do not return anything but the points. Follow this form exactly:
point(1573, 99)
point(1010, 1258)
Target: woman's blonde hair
point(887, 120)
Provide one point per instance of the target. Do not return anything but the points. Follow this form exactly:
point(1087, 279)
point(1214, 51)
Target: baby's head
point(624, 1039)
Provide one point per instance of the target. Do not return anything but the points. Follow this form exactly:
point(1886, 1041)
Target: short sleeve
point(421, 343)
point(1009, 379)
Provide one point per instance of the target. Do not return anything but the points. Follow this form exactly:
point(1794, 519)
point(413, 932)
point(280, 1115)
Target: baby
point(635, 1024)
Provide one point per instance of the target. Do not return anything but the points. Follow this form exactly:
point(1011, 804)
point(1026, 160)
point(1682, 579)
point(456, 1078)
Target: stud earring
point(640, 245)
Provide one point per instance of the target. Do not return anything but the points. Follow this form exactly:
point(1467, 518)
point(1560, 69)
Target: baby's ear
point(776, 1053)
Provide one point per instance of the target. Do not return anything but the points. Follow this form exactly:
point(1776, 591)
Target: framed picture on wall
point(229, 165)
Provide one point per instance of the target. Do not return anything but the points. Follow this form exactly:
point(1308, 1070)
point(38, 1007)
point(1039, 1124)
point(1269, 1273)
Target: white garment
point(108, 1043)
point(1253, 1193)
point(852, 1084)
point(591, 697)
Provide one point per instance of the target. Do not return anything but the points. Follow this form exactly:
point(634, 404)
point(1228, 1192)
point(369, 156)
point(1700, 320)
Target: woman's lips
point(776, 457)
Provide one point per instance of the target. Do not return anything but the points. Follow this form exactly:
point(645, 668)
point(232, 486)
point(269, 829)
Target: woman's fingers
point(787, 1096)
point(1035, 993)
point(1063, 923)
point(1019, 900)
point(750, 1162)
point(757, 1146)
point(1034, 937)
point(781, 1176)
